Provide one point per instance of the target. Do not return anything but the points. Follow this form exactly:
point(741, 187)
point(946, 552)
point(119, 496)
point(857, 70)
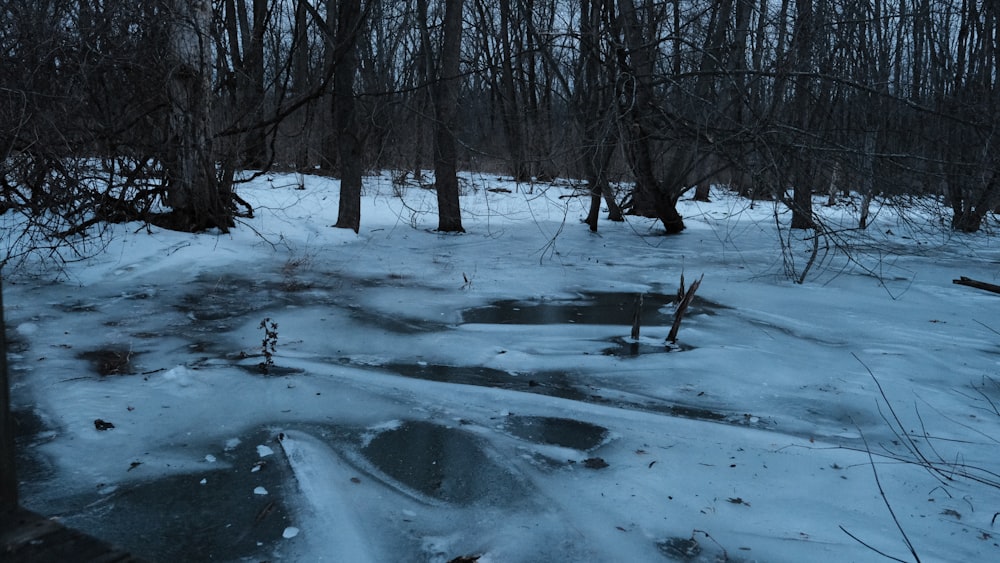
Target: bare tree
point(446, 96)
point(596, 113)
point(243, 52)
point(639, 109)
point(345, 120)
point(199, 197)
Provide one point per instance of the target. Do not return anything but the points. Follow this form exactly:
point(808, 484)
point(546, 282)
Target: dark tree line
point(112, 110)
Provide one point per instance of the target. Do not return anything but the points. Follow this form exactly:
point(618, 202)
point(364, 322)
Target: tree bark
point(512, 114)
point(200, 199)
point(640, 128)
point(594, 112)
point(804, 175)
point(345, 116)
point(301, 82)
point(446, 111)
point(250, 76)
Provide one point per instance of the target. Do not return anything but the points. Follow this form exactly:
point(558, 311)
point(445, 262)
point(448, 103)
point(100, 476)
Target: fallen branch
point(977, 284)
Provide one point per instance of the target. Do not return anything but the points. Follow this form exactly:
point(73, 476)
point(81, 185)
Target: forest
point(113, 111)
point(361, 280)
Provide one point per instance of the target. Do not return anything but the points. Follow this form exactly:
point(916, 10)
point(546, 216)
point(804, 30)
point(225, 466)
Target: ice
point(392, 429)
point(26, 329)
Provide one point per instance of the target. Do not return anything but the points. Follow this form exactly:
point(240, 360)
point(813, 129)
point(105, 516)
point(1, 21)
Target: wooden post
point(8, 480)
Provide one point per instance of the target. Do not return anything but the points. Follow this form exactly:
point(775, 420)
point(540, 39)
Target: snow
point(391, 428)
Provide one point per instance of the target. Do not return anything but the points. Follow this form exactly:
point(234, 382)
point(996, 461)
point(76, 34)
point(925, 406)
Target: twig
point(987, 327)
point(901, 432)
point(885, 499)
point(857, 539)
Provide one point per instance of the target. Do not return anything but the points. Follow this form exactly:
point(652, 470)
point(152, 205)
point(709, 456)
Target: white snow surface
point(396, 425)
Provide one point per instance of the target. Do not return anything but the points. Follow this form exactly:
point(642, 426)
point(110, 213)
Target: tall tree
point(345, 115)
point(200, 197)
point(513, 114)
point(446, 96)
point(640, 112)
point(241, 54)
point(802, 110)
point(595, 109)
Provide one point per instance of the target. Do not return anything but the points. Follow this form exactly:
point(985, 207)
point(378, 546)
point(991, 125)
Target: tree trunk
point(640, 128)
point(8, 478)
point(594, 103)
point(244, 54)
point(446, 111)
point(199, 198)
point(301, 83)
point(512, 114)
point(252, 87)
point(804, 174)
point(345, 116)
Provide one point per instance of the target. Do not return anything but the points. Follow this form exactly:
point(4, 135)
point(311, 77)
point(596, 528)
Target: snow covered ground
point(433, 396)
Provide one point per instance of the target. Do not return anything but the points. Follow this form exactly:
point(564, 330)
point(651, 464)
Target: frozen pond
point(408, 396)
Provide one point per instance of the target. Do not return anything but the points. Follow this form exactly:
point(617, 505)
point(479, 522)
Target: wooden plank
point(26, 537)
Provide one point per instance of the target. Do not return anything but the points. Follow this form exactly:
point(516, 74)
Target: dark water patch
point(697, 413)
point(550, 383)
point(684, 410)
point(562, 385)
point(394, 322)
point(220, 302)
point(30, 431)
point(111, 361)
point(28, 424)
point(665, 407)
point(219, 298)
point(146, 335)
point(77, 307)
point(147, 292)
point(628, 348)
point(442, 463)
point(564, 432)
point(16, 344)
point(603, 308)
point(210, 514)
point(588, 308)
point(270, 371)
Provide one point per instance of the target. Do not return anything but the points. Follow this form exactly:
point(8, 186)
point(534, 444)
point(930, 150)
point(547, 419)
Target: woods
point(116, 111)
